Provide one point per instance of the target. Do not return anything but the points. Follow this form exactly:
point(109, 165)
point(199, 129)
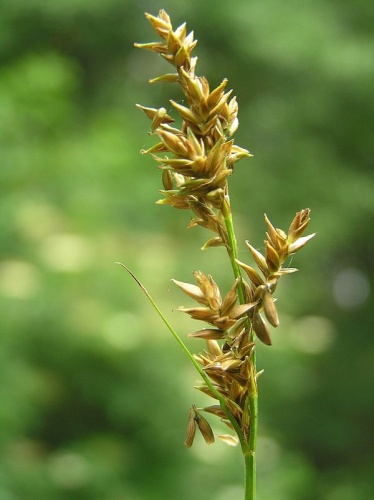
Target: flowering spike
point(196, 158)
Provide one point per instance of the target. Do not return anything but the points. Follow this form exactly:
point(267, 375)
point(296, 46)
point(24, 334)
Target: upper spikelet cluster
point(200, 155)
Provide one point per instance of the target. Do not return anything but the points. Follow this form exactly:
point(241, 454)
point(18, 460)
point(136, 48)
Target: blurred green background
point(94, 392)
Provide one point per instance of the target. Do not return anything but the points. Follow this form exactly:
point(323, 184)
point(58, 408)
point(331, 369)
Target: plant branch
point(252, 400)
point(232, 248)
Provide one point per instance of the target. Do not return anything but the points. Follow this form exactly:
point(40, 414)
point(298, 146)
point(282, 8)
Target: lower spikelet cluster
point(230, 337)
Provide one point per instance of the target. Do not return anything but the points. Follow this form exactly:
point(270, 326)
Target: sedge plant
point(196, 159)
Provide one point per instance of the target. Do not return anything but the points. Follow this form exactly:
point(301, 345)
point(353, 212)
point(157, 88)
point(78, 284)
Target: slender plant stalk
point(250, 458)
point(250, 451)
point(250, 475)
point(196, 161)
point(232, 248)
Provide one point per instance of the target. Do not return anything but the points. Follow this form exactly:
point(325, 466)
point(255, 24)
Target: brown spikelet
point(261, 329)
point(204, 427)
point(191, 429)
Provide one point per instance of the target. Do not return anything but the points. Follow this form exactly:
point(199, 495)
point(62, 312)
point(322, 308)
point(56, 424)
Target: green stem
point(249, 451)
point(250, 476)
point(250, 458)
point(232, 249)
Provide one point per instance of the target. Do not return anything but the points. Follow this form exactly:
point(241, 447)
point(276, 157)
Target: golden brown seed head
point(196, 160)
point(209, 119)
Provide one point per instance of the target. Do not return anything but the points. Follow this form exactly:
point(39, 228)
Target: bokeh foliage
point(94, 393)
